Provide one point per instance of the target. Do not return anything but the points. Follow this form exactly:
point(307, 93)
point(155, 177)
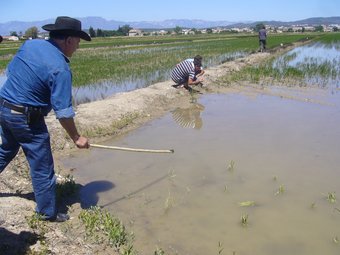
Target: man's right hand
point(82, 143)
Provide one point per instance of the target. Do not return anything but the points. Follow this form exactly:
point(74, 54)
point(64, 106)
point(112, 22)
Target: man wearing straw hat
point(39, 79)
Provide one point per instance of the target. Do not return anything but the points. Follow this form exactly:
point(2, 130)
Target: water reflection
point(189, 117)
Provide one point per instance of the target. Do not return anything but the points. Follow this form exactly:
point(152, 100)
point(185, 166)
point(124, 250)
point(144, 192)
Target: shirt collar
point(56, 45)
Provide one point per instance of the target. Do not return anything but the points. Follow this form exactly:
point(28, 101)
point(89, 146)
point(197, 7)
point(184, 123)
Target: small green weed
point(101, 226)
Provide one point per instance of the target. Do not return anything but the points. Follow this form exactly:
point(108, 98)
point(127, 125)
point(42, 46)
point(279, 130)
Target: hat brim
point(81, 34)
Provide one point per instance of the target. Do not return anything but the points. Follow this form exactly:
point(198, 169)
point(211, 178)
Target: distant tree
point(303, 29)
point(32, 32)
point(335, 29)
point(290, 30)
point(124, 30)
point(319, 28)
point(178, 30)
point(258, 27)
point(13, 33)
point(209, 31)
point(92, 32)
point(99, 33)
point(1, 38)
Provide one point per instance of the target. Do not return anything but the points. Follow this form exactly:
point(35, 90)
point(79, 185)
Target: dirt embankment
point(120, 113)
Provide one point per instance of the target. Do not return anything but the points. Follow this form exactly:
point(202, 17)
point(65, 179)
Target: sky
point(159, 10)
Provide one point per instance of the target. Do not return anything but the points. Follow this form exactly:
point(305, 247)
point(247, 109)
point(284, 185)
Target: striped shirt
point(183, 71)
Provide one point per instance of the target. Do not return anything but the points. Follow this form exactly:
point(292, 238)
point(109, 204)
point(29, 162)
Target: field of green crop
point(121, 58)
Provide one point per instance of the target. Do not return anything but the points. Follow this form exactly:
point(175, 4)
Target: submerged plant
point(231, 166)
point(244, 220)
point(331, 197)
point(169, 202)
point(247, 203)
point(280, 190)
point(220, 247)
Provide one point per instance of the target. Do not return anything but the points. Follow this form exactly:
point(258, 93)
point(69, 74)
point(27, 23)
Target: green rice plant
point(231, 166)
point(169, 203)
point(247, 203)
point(244, 220)
point(313, 205)
point(280, 190)
point(331, 197)
point(274, 178)
point(119, 59)
point(220, 247)
point(336, 240)
point(226, 188)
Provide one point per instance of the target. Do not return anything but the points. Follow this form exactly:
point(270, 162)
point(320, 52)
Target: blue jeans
point(35, 142)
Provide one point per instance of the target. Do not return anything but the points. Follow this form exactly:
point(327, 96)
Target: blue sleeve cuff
point(65, 113)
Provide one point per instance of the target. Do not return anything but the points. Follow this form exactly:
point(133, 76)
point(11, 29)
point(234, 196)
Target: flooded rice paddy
point(104, 89)
point(276, 151)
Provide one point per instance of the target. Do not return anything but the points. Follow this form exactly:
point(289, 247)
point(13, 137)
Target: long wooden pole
point(129, 149)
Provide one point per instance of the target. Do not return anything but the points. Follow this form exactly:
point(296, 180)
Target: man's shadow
point(87, 195)
point(13, 244)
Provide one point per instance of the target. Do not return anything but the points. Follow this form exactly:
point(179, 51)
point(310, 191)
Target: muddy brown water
point(188, 202)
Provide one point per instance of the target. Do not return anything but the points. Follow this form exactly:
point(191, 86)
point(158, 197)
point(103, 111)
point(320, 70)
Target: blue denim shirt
point(39, 75)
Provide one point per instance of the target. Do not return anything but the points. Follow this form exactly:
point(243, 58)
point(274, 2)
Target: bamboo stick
point(129, 149)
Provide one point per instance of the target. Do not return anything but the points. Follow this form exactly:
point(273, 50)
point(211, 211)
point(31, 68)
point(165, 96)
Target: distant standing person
point(187, 73)
point(39, 79)
point(263, 38)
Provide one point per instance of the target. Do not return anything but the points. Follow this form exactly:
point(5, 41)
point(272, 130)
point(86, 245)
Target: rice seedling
point(274, 178)
point(336, 240)
point(331, 197)
point(313, 205)
point(247, 203)
point(171, 174)
point(169, 203)
point(244, 220)
point(280, 190)
point(231, 166)
point(220, 247)
point(226, 188)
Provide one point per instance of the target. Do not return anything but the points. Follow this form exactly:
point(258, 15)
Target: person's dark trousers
point(35, 142)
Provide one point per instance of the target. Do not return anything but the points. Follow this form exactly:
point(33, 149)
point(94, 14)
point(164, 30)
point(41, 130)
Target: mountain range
point(101, 23)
